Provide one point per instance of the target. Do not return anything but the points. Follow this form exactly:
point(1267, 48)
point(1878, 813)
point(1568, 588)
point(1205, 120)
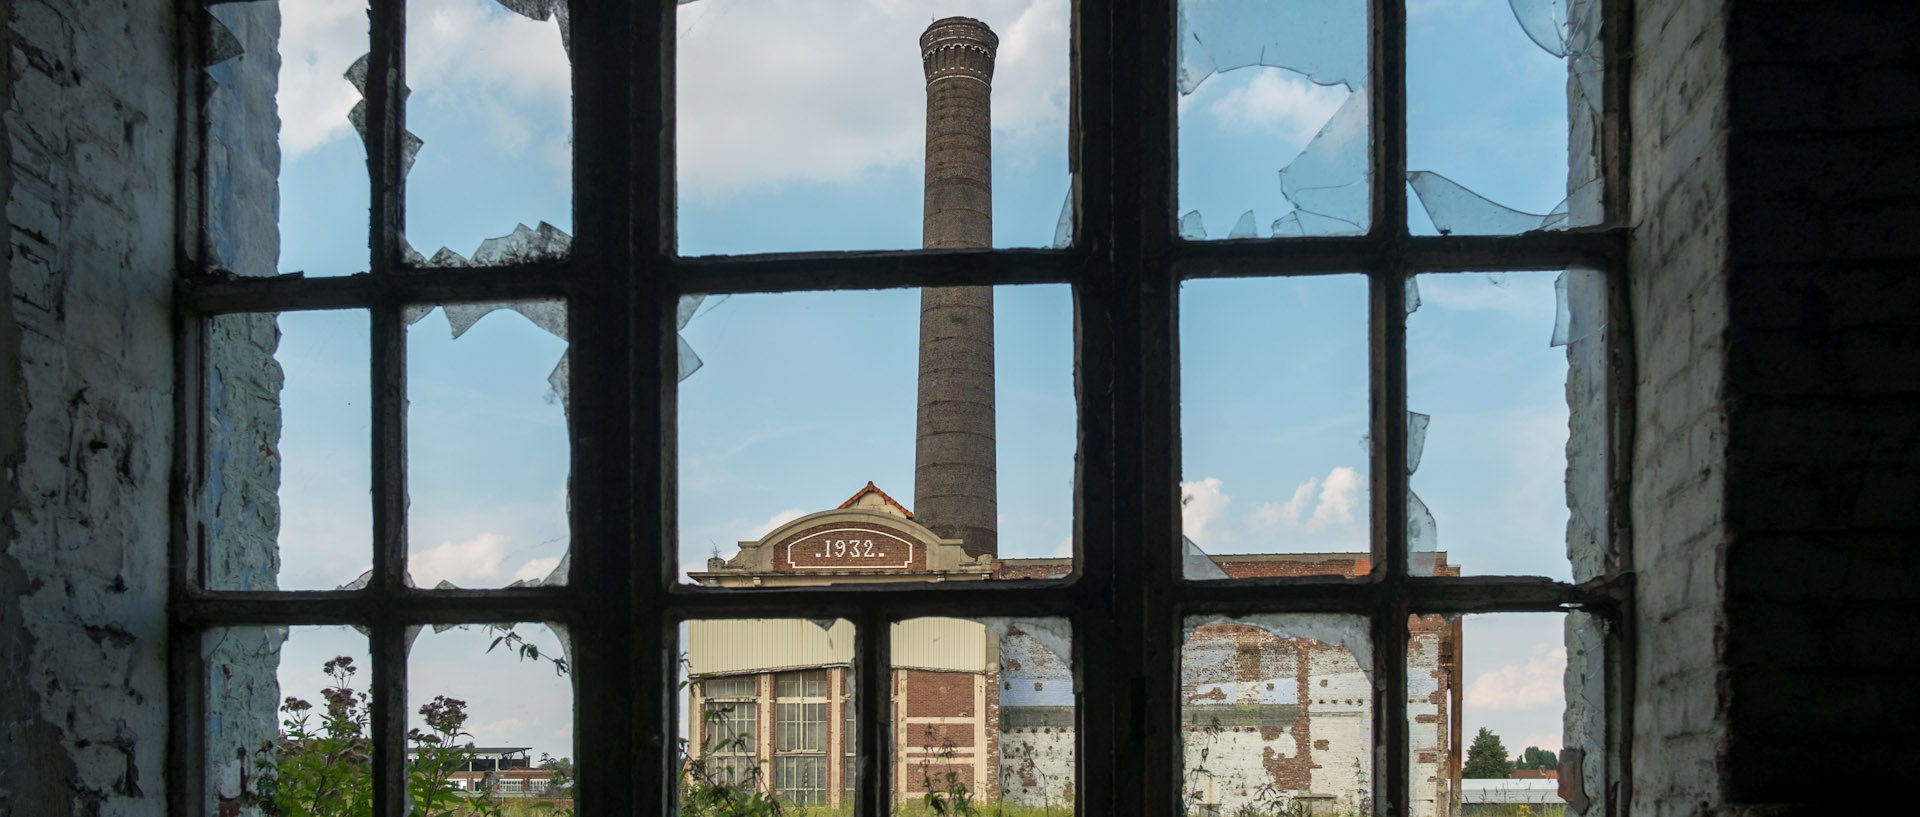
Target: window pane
point(1273, 425)
point(787, 687)
point(776, 153)
point(1492, 89)
point(1486, 709)
point(490, 705)
point(811, 453)
point(287, 720)
point(1487, 386)
point(287, 490)
point(490, 115)
point(800, 781)
point(319, 172)
point(985, 711)
point(1277, 713)
point(1273, 118)
point(487, 451)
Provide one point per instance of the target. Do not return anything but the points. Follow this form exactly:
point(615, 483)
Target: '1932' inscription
point(857, 548)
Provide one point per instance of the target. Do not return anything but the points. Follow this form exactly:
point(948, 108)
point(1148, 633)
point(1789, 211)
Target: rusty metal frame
point(1125, 600)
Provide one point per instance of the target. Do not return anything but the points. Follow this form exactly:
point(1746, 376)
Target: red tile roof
point(872, 489)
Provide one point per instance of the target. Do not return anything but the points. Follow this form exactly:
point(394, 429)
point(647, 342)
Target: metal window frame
point(1126, 598)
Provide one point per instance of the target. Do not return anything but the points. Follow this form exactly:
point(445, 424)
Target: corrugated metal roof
point(730, 646)
point(951, 644)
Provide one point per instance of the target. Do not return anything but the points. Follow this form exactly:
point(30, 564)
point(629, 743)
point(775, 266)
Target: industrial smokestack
point(954, 469)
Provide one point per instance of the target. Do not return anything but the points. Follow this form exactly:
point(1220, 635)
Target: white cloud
point(1064, 550)
point(537, 569)
point(1201, 503)
point(1279, 102)
point(462, 563)
point(1537, 682)
point(1340, 495)
point(1279, 516)
point(319, 40)
point(774, 521)
point(773, 90)
point(471, 54)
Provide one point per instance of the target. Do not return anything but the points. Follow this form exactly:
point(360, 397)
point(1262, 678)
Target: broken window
point(1259, 81)
point(489, 104)
point(482, 308)
point(488, 465)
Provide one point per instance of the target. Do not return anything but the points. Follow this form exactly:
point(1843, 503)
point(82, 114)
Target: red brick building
point(1280, 706)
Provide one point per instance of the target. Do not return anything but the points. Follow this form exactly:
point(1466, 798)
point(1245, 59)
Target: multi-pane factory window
point(800, 737)
point(1368, 291)
point(731, 728)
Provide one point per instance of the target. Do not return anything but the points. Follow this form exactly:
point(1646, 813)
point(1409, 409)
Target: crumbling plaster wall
point(89, 127)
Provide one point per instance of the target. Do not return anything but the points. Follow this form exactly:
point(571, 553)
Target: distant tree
point(1537, 758)
point(1487, 757)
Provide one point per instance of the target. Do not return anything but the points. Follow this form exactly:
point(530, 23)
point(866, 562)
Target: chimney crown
point(958, 47)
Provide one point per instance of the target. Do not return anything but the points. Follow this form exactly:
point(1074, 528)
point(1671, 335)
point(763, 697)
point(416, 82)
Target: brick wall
point(88, 372)
point(1678, 284)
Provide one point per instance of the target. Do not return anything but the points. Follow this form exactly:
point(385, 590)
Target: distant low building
point(506, 771)
point(1496, 796)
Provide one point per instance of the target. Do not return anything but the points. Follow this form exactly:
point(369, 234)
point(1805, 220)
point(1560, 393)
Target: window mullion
point(1387, 103)
point(386, 104)
point(873, 714)
point(1387, 330)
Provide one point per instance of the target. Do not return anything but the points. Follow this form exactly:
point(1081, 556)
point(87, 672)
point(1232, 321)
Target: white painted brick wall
point(1678, 285)
point(90, 140)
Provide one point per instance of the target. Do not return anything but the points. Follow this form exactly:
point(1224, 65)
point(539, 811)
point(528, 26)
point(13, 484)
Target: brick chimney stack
point(954, 471)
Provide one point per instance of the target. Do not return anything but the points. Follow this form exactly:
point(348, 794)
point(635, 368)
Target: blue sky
point(803, 398)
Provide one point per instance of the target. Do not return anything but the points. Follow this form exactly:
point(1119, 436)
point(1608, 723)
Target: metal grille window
point(617, 288)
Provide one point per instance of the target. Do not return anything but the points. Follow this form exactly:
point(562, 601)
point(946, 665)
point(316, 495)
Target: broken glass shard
point(1063, 228)
point(1196, 565)
point(1327, 182)
point(1324, 41)
point(523, 245)
point(1455, 210)
point(410, 144)
point(1416, 439)
point(1545, 21)
point(1192, 227)
point(1244, 227)
point(543, 10)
